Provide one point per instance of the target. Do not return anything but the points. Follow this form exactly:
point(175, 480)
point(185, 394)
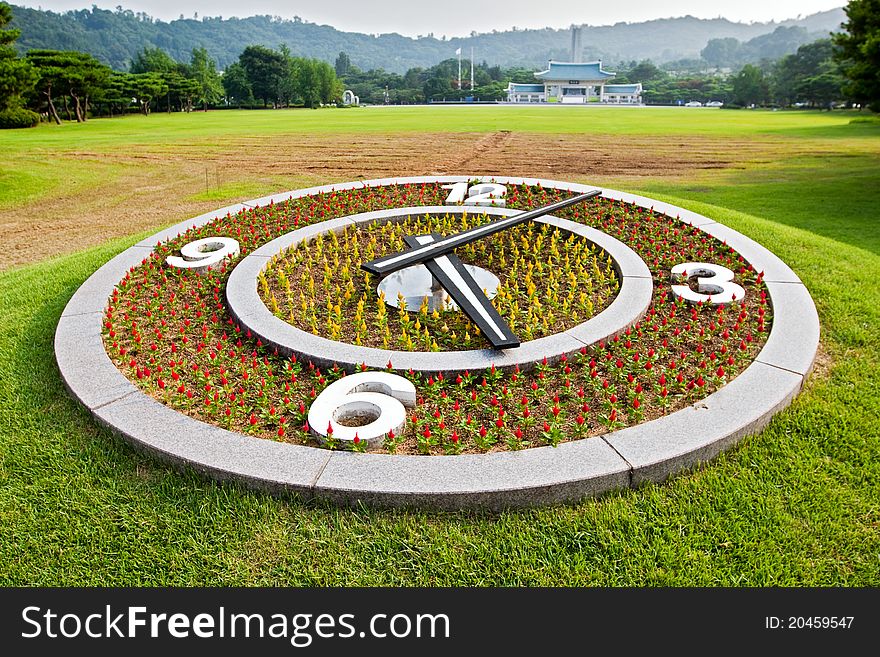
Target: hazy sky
point(459, 17)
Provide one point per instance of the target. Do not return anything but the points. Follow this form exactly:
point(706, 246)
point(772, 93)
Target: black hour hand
point(451, 273)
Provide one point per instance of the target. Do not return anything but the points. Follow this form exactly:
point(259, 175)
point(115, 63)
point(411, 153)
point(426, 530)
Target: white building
point(622, 94)
point(567, 82)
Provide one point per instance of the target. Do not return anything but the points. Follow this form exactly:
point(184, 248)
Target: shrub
point(17, 117)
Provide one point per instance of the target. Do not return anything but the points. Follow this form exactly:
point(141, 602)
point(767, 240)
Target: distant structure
point(574, 83)
point(577, 48)
point(348, 98)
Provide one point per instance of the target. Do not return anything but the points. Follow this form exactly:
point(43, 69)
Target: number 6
point(719, 285)
point(204, 254)
point(375, 398)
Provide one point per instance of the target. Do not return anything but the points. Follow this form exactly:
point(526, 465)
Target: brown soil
point(160, 180)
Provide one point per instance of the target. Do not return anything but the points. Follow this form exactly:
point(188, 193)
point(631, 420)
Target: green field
point(798, 504)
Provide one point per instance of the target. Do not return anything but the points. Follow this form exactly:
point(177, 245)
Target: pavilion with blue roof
point(570, 82)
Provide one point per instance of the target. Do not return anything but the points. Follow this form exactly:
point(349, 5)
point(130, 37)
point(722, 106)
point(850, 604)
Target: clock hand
point(451, 273)
point(396, 261)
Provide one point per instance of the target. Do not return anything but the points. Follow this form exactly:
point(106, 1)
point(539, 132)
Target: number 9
point(719, 286)
point(204, 254)
point(375, 398)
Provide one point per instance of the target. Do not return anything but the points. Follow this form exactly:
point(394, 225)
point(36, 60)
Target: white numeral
point(373, 401)
point(714, 282)
point(204, 254)
point(457, 193)
point(479, 194)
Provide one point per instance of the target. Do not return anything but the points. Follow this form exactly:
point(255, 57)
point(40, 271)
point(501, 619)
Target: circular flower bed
point(169, 331)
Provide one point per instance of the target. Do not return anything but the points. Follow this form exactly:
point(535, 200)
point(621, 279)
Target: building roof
point(517, 87)
point(573, 71)
point(623, 88)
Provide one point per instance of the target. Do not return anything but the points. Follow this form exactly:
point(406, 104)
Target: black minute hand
point(394, 262)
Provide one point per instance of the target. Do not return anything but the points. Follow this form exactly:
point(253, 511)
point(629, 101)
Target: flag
point(458, 51)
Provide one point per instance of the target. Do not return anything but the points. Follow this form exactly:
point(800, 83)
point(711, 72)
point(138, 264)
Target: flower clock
point(440, 341)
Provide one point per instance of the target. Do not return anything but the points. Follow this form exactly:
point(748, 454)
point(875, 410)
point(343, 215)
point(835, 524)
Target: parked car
point(693, 103)
point(714, 103)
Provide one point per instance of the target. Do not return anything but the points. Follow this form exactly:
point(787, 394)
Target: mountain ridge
point(115, 37)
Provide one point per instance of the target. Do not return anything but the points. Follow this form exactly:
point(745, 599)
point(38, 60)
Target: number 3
point(719, 287)
point(480, 194)
point(375, 398)
point(204, 254)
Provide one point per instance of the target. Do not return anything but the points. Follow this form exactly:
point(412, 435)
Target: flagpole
point(459, 69)
point(472, 69)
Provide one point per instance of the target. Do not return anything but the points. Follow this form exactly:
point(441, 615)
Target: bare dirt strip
point(161, 184)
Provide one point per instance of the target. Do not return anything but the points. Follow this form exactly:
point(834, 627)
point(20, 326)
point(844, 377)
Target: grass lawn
point(798, 504)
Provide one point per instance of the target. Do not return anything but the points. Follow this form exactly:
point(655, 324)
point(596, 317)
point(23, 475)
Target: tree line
point(811, 77)
point(57, 84)
point(75, 85)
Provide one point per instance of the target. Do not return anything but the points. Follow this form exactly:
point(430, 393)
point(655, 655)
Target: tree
point(343, 64)
point(203, 70)
point(859, 52)
point(809, 76)
point(50, 65)
point(750, 87)
point(721, 52)
point(85, 77)
point(115, 93)
point(236, 85)
point(266, 70)
point(146, 87)
point(17, 77)
point(153, 60)
point(645, 71)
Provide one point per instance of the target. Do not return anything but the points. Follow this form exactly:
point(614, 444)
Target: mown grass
point(160, 127)
point(798, 504)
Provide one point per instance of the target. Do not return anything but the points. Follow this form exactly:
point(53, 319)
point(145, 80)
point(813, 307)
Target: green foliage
point(860, 52)
point(115, 37)
point(153, 60)
point(276, 77)
point(342, 64)
point(147, 86)
point(645, 71)
point(16, 75)
point(237, 85)
point(810, 76)
point(750, 87)
point(18, 117)
point(203, 71)
point(731, 53)
point(265, 69)
point(67, 73)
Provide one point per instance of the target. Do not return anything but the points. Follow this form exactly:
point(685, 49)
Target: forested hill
point(115, 37)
